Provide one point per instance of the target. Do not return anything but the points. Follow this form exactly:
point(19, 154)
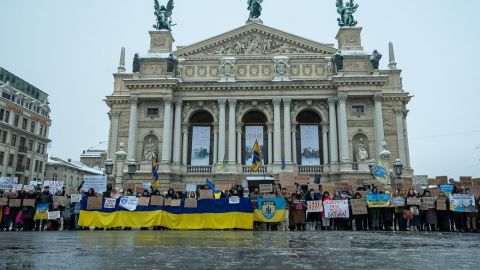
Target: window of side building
point(152, 112)
point(14, 140)
point(32, 127)
point(6, 95)
point(16, 119)
point(4, 136)
point(27, 165)
point(2, 157)
point(7, 117)
point(24, 123)
point(30, 145)
point(10, 160)
point(358, 109)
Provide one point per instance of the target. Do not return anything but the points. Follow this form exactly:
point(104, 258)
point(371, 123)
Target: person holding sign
point(471, 217)
point(54, 224)
point(45, 199)
point(14, 209)
point(325, 220)
point(442, 204)
point(298, 211)
point(430, 214)
point(361, 220)
point(28, 211)
point(414, 221)
point(375, 213)
point(312, 218)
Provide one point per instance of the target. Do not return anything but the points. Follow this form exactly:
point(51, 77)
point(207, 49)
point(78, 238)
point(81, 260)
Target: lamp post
point(397, 169)
point(372, 167)
point(117, 168)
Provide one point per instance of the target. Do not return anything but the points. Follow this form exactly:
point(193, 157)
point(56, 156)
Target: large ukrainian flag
point(257, 158)
point(270, 210)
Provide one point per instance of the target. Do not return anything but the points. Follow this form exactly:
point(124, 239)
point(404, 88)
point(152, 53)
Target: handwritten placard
point(178, 186)
point(175, 203)
point(61, 200)
point(53, 215)
point(156, 200)
point(265, 188)
point(76, 198)
point(234, 200)
point(414, 201)
point(206, 194)
point(190, 203)
point(314, 206)
point(94, 203)
point(28, 202)
point(109, 203)
point(359, 207)
point(3, 201)
point(143, 201)
point(167, 202)
point(15, 203)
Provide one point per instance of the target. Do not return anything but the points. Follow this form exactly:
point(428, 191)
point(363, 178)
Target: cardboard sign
point(139, 190)
point(284, 178)
point(265, 188)
point(15, 203)
point(291, 189)
point(223, 186)
point(434, 192)
point(398, 201)
point(314, 206)
point(345, 186)
point(76, 198)
point(206, 194)
point(466, 180)
point(414, 201)
point(28, 202)
point(53, 215)
point(143, 201)
point(94, 203)
point(178, 186)
point(156, 200)
point(190, 203)
point(71, 190)
point(129, 186)
point(475, 191)
point(442, 179)
point(359, 207)
point(109, 203)
point(442, 204)
point(3, 201)
point(363, 194)
point(428, 202)
point(315, 187)
point(336, 209)
point(167, 202)
point(433, 182)
point(175, 203)
point(329, 187)
point(61, 200)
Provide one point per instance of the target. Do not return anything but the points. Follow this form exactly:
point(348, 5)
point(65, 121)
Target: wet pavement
point(238, 250)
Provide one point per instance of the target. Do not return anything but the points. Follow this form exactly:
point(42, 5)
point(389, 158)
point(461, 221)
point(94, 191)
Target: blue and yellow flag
point(216, 193)
point(257, 158)
point(381, 173)
point(155, 173)
point(270, 210)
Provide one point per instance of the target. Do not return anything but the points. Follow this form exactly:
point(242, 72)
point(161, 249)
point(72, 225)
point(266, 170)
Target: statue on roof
point(346, 13)
point(255, 8)
point(163, 15)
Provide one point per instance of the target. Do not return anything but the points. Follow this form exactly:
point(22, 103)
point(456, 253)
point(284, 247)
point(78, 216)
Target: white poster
point(252, 133)
point(109, 203)
point(75, 198)
point(53, 185)
point(336, 209)
point(309, 145)
point(128, 202)
point(200, 146)
point(7, 183)
point(97, 182)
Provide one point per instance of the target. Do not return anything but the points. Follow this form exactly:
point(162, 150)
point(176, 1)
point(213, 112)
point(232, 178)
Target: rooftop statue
point(346, 13)
point(255, 8)
point(163, 14)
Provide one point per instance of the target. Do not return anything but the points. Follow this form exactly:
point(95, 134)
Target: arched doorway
point(254, 128)
point(200, 139)
point(308, 142)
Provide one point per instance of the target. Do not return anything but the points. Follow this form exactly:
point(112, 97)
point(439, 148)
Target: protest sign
point(291, 189)
point(109, 203)
point(127, 186)
point(359, 207)
point(7, 183)
point(345, 186)
point(314, 206)
point(94, 203)
point(28, 202)
point(178, 186)
point(18, 187)
point(223, 186)
point(434, 192)
point(433, 182)
point(128, 202)
point(33, 183)
point(398, 201)
point(377, 200)
point(191, 187)
point(315, 187)
point(156, 200)
point(15, 203)
point(147, 186)
point(442, 203)
point(234, 200)
point(265, 188)
point(53, 215)
point(475, 191)
point(53, 185)
point(139, 190)
point(466, 180)
point(462, 203)
point(28, 188)
point(428, 203)
point(76, 198)
point(175, 203)
point(143, 201)
point(3, 201)
point(97, 182)
point(190, 203)
point(414, 201)
point(446, 188)
point(167, 202)
point(329, 187)
point(336, 209)
point(61, 200)
point(206, 194)
point(71, 190)
point(284, 178)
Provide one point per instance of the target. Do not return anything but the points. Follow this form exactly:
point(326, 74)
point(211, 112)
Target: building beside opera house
point(317, 109)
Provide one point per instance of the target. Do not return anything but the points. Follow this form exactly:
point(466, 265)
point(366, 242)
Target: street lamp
point(372, 164)
point(109, 166)
point(398, 167)
point(132, 166)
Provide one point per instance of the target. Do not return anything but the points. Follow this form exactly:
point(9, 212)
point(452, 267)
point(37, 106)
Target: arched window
point(200, 139)
point(254, 128)
point(308, 142)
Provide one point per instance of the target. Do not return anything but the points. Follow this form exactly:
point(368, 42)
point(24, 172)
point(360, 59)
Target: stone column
point(325, 144)
point(400, 135)
point(287, 137)
point(221, 130)
point(270, 143)
point(294, 144)
point(114, 118)
point(231, 131)
point(167, 131)
point(407, 145)
point(177, 132)
point(185, 146)
point(342, 128)
point(277, 159)
point(132, 131)
point(333, 130)
point(239, 145)
point(379, 135)
point(215, 145)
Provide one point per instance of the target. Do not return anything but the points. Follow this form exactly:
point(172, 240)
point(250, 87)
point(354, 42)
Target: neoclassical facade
point(199, 110)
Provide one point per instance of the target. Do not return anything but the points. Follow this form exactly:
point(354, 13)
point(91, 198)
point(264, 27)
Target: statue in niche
point(375, 59)
point(149, 150)
point(136, 63)
point(361, 152)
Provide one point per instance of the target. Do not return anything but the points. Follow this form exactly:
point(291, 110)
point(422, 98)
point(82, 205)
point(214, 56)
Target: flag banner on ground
point(462, 203)
point(270, 210)
point(200, 146)
point(336, 209)
point(54, 186)
point(252, 134)
point(209, 214)
point(97, 182)
point(310, 146)
point(377, 200)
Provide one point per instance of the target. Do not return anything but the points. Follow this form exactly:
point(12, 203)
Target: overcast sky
point(70, 49)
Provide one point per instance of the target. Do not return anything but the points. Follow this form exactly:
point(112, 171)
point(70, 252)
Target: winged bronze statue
point(163, 15)
point(255, 8)
point(346, 13)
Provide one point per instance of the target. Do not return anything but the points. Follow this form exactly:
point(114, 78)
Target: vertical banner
point(310, 146)
point(200, 146)
point(252, 133)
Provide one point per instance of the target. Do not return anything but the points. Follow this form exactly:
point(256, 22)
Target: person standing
point(415, 221)
point(312, 218)
point(325, 220)
point(361, 221)
point(298, 209)
point(28, 212)
point(471, 217)
point(45, 199)
point(374, 212)
point(443, 214)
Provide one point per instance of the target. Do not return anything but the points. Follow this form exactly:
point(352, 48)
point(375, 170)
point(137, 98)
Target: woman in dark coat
point(443, 214)
point(298, 211)
point(312, 218)
point(29, 212)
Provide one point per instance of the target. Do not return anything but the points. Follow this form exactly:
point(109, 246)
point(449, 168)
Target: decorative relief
point(320, 70)
point(357, 66)
point(295, 69)
point(254, 70)
point(153, 69)
point(267, 70)
point(242, 70)
point(213, 71)
point(307, 70)
point(190, 71)
point(202, 71)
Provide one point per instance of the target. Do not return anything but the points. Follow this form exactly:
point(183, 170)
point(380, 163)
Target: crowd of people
point(398, 218)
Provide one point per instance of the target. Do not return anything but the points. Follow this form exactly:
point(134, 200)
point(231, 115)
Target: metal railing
point(309, 168)
point(247, 169)
point(199, 169)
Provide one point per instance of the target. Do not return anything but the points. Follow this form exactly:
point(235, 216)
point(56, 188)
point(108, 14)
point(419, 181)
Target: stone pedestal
point(161, 42)
point(349, 39)
point(363, 167)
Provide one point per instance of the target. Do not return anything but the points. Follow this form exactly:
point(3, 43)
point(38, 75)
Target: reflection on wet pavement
point(237, 249)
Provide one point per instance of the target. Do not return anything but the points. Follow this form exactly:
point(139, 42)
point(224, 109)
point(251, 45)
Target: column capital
point(168, 99)
point(222, 102)
point(277, 102)
point(133, 100)
point(398, 111)
point(184, 130)
point(232, 102)
point(342, 98)
point(405, 113)
point(287, 102)
point(239, 130)
point(332, 100)
point(178, 102)
point(114, 115)
point(378, 97)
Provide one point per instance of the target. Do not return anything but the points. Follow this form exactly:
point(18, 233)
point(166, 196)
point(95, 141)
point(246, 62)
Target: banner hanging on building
point(310, 146)
point(200, 146)
point(253, 133)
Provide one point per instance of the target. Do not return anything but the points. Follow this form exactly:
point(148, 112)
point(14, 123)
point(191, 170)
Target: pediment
point(255, 39)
